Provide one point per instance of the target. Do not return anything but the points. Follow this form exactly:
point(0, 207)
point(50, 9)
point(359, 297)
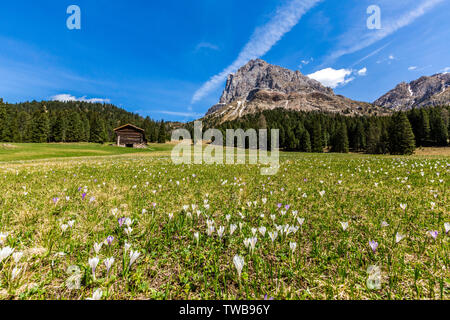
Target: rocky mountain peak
point(258, 74)
point(259, 86)
point(425, 91)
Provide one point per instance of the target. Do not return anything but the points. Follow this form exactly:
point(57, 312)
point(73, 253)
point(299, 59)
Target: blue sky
point(168, 59)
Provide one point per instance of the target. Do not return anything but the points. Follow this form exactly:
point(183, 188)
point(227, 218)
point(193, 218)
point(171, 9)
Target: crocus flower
point(64, 227)
point(134, 255)
point(108, 264)
point(233, 228)
point(97, 295)
point(434, 234)
point(273, 235)
point(262, 230)
point(121, 222)
point(280, 205)
point(344, 225)
point(15, 272)
point(239, 264)
point(384, 224)
point(293, 246)
point(55, 200)
point(3, 237)
point(447, 227)
point(93, 264)
point(17, 256)
point(109, 240)
point(197, 236)
point(399, 237)
point(5, 253)
point(266, 297)
point(287, 207)
point(373, 245)
point(403, 206)
point(97, 247)
point(220, 231)
point(83, 196)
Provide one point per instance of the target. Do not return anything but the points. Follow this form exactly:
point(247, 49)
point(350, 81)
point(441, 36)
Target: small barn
point(130, 136)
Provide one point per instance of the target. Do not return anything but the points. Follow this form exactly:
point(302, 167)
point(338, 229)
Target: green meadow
point(112, 225)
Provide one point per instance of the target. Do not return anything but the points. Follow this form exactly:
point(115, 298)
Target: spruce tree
point(162, 136)
point(3, 122)
point(305, 141)
point(340, 143)
point(317, 142)
point(40, 125)
point(401, 136)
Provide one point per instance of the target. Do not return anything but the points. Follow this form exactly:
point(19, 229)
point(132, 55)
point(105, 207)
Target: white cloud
point(391, 57)
point(206, 45)
point(67, 98)
point(362, 72)
point(412, 68)
point(388, 27)
point(331, 77)
point(262, 40)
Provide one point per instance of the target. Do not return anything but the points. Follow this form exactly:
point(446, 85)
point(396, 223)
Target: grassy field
point(30, 151)
point(325, 227)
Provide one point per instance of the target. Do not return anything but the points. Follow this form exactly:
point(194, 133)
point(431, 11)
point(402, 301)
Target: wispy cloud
point(262, 40)
point(179, 114)
point(390, 26)
point(67, 98)
point(206, 45)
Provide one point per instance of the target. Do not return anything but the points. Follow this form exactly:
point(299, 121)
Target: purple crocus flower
point(287, 207)
point(434, 234)
point(266, 297)
point(305, 180)
point(280, 205)
point(83, 195)
point(109, 240)
point(121, 222)
point(55, 200)
point(79, 189)
point(373, 245)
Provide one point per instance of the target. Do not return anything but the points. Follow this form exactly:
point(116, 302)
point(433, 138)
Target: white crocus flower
point(3, 237)
point(98, 294)
point(98, 247)
point(262, 231)
point(447, 227)
point(293, 246)
point(273, 235)
point(399, 237)
point(239, 264)
point(220, 231)
point(233, 228)
point(17, 256)
point(5, 253)
point(134, 255)
point(344, 225)
point(15, 272)
point(108, 264)
point(93, 262)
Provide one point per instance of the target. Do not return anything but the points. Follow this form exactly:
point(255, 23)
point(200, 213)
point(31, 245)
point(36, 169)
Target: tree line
point(55, 121)
point(400, 133)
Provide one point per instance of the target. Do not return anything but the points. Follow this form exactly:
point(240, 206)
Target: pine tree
point(401, 136)
point(317, 142)
point(40, 125)
point(162, 136)
point(424, 130)
point(305, 141)
point(98, 133)
point(439, 130)
point(3, 122)
point(340, 143)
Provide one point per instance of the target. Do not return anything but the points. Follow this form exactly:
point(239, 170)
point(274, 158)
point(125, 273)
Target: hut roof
point(129, 125)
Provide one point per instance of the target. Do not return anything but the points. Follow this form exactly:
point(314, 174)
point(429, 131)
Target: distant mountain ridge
point(259, 86)
point(425, 91)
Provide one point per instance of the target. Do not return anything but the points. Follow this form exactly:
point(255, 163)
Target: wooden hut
point(130, 136)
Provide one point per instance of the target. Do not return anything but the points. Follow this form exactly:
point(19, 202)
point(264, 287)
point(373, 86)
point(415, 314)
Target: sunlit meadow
point(139, 227)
